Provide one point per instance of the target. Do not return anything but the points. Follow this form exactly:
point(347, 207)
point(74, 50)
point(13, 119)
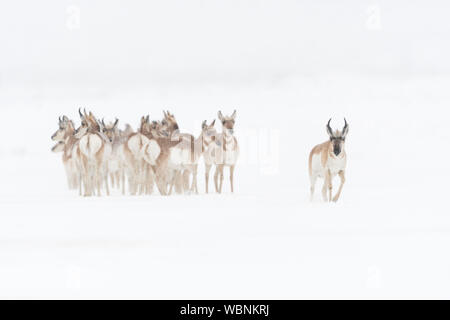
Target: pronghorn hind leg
point(313, 179)
point(194, 180)
point(232, 177)
point(221, 178)
point(216, 178)
point(338, 194)
point(325, 186)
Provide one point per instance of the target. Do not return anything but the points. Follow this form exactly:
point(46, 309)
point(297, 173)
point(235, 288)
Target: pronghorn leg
point(117, 179)
point(338, 194)
point(194, 180)
point(330, 186)
point(232, 177)
point(106, 184)
point(216, 178)
point(80, 185)
point(207, 169)
point(313, 179)
point(325, 186)
point(123, 181)
point(221, 178)
point(172, 182)
point(187, 188)
point(111, 177)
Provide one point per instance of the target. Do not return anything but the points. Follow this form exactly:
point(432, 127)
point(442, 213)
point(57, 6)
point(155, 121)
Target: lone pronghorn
point(327, 160)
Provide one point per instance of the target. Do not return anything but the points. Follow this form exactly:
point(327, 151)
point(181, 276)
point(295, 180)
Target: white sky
point(212, 38)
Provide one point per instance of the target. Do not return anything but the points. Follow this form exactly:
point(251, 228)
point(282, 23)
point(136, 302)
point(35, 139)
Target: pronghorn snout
point(337, 150)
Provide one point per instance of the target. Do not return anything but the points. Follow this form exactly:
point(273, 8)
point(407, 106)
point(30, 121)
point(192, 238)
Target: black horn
point(329, 130)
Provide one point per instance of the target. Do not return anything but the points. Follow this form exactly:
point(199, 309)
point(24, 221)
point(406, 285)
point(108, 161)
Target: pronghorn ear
point(220, 116)
point(212, 123)
point(233, 115)
point(65, 118)
point(165, 114)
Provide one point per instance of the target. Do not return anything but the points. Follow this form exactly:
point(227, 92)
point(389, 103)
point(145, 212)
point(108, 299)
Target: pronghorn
point(67, 143)
point(327, 160)
point(134, 155)
point(167, 171)
point(115, 163)
point(95, 149)
point(208, 137)
point(202, 145)
point(227, 153)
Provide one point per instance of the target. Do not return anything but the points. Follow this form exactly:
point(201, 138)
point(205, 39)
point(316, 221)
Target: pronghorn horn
point(79, 111)
point(115, 123)
point(330, 131)
point(345, 130)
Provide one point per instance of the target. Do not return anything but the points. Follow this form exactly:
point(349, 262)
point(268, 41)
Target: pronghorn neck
point(206, 141)
point(227, 137)
point(69, 132)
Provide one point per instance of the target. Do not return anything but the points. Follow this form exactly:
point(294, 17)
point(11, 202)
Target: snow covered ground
point(386, 238)
point(286, 67)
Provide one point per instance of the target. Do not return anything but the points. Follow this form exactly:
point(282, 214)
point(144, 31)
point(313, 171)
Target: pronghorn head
point(227, 122)
point(170, 121)
point(337, 138)
point(64, 126)
point(83, 128)
point(58, 147)
point(208, 131)
point(127, 132)
point(110, 130)
point(158, 130)
point(144, 127)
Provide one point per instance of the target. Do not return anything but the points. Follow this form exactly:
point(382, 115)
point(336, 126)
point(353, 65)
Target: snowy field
point(387, 237)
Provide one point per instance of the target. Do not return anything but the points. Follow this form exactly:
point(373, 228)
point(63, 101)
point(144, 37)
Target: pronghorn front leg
point(330, 186)
point(216, 178)
point(313, 178)
point(221, 178)
point(325, 185)
point(338, 194)
point(231, 177)
point(207, 169)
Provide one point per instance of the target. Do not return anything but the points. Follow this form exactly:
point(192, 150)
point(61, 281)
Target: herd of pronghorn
point(98, 155)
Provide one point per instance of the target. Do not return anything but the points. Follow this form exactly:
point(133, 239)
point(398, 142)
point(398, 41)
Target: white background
point(287, 67)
